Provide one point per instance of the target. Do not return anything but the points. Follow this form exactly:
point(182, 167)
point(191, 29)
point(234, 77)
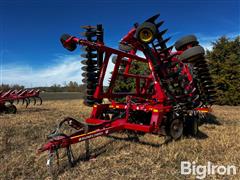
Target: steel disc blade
point(88, 34)
point(205, 77)
point(203, 66)
point(207, 83)
point(91, 86)
point(90, 97)
point(196, 59)
point(88, 102)
point(88, 27)
point(209, 87)
point(200, 69)
point(211, 101)
point(162, 32)
point(212, 96)
point(159, 24)
point(88, 62)
point(163, 42)
point(89, 74)
point(89, 77)
point(89, 81)
point(211, 91)
point(89, 55)
point(196, 97)
point(87, 49)
point(90, 69)
point(200, 63)
point(153, 18)
point(204, 74)
point(90, 92)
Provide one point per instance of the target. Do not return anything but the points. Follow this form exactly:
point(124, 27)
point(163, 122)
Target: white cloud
point(206, 40)
point(66, 68)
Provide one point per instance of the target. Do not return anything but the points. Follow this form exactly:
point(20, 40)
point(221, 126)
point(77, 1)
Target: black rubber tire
point(191, 126)
point(10, 109)
point(70, 46)
point(192, 55)
point(184, 41)
point(148, 26)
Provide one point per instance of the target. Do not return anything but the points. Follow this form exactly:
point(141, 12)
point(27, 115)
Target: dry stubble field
point(23, 133)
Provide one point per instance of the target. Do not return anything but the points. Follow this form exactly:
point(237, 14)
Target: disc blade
point(153, 18)
point(89, 55)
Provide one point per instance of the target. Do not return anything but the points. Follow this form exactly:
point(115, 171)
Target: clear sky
point(32, 55)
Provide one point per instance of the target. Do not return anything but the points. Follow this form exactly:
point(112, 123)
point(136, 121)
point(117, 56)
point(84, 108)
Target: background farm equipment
point(26, 96)
point(169, 100)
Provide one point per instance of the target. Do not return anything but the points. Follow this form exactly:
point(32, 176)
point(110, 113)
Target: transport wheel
point(146, 32)
point(183, 42)
point(176, 129)
point(10, 109)
point(192, 55)
point(191, 126)
point(69, 46)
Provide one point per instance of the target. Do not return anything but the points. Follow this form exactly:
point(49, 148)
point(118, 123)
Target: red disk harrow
point(169, 100)
point(7, 99)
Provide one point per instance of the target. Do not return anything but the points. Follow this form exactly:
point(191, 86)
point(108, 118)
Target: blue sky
point(29, 31)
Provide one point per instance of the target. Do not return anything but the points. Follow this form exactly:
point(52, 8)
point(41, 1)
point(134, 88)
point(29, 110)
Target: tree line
point(72, 86)
point(224, 65)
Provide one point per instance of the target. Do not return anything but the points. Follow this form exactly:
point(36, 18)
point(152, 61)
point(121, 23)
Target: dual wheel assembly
point(180, 126)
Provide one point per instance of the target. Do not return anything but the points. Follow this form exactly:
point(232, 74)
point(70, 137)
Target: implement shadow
point(138, 141)
point(209, 119)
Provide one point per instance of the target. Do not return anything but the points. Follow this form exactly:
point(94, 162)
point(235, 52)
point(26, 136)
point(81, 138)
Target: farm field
point(60, 95)
point(114, 158)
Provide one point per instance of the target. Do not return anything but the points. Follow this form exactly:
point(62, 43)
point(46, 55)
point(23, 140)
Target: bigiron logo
point(201, 171)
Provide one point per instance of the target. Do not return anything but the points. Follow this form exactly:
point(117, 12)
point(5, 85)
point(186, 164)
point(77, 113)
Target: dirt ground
point(23, 133)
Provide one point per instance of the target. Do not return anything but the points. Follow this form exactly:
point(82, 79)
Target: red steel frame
point(100, 127)
point(12, 95)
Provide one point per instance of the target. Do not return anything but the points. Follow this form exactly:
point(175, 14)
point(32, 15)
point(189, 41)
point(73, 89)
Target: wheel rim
point(146, 35)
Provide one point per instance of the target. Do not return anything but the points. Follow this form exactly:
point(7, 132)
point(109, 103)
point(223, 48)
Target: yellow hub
point(146, 35)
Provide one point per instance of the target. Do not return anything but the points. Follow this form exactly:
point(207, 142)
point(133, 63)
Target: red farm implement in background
point(169, 100)
point(7, 99)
